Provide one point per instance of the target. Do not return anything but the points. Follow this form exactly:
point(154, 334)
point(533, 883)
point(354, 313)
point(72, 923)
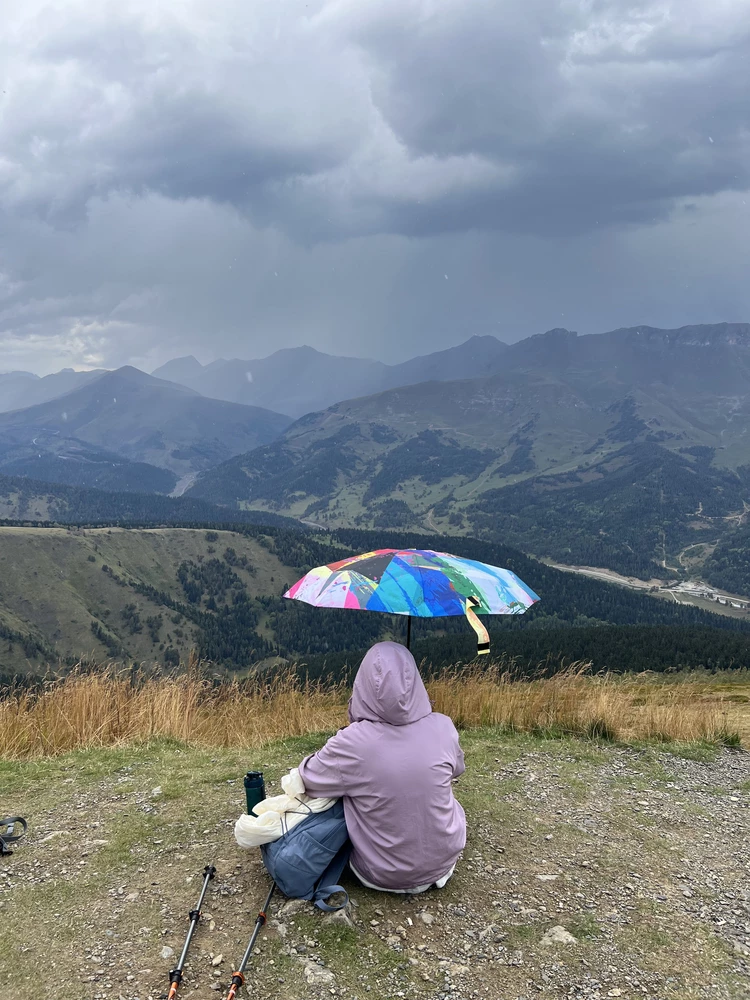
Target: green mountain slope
point(153, 595)
point(27, 500)
point(616, 450)
point(631, 511)
point(431, 431)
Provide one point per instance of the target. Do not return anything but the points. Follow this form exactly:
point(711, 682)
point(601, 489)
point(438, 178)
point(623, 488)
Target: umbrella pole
point(408, 633)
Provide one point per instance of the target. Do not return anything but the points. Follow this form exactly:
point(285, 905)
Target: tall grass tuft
point(105, 708)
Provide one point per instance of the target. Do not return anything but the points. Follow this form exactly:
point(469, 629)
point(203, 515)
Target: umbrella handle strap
point(483, 638)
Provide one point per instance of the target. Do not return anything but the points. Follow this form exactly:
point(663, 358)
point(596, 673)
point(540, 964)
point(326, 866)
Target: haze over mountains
point(301, 380)
point(128, 430)
point(627, 449)
point(22, 389)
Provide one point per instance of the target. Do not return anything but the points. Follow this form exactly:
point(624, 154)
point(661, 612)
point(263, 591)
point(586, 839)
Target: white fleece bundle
point(277, 815)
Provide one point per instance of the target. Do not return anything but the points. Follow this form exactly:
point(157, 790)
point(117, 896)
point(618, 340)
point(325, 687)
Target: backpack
point(308, 861)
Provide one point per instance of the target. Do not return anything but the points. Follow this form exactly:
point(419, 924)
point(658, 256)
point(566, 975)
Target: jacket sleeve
point(459, 765)
point(321, 772)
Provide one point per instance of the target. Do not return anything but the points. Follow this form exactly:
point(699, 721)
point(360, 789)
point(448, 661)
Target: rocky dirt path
point(591, 872)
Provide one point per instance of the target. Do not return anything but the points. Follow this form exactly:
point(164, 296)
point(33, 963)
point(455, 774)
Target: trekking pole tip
point(237, 980)
point(175, 978)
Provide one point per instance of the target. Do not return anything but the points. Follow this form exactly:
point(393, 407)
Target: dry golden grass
point(101, 709)
point(105, 709)
point(629, 707)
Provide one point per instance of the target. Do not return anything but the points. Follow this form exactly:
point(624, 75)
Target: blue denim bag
point(308, 861)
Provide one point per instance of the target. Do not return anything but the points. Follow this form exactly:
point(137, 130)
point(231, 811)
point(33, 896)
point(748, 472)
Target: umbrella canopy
point(415, 582)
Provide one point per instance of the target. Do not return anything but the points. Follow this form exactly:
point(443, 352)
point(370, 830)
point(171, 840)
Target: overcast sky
point(372, 177)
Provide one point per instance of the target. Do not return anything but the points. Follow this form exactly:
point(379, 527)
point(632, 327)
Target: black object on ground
point(175, 976)
point(8, 834)
point(238, 977)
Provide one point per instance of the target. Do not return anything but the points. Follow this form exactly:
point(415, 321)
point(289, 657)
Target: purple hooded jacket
point(393, 767)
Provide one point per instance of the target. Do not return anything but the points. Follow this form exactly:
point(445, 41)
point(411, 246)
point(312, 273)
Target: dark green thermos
point(255, 790)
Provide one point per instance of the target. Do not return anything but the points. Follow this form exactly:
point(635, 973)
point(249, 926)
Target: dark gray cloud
point(370, 176)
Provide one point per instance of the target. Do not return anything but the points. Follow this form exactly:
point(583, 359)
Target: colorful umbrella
point(419, 583)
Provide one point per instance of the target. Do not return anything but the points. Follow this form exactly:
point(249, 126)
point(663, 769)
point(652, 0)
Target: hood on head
point(388, 687)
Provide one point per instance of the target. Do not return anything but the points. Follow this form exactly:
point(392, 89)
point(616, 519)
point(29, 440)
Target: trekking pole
point(175, 976)
point(238, 977)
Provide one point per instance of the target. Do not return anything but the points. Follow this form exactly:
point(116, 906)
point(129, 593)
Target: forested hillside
point(151, 595)
point(633, 512)
point(728, 564)
point(30, 500)
point(618, 450)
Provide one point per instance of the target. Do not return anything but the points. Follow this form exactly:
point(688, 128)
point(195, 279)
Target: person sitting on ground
point(393, 767)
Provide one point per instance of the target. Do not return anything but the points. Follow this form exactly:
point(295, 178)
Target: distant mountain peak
point(179, 368)
point(130, 373)
point(484, 338)
point(129, 376)
point(559, 333)
point(304, 351)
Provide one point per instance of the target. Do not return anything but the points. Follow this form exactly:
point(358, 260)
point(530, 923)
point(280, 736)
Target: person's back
point(394, 766)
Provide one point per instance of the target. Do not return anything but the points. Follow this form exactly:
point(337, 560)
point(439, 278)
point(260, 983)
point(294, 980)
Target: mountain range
point(627, 449)
point(620, 449)
point(21, 389)
point(301, 380)
point(125, 430)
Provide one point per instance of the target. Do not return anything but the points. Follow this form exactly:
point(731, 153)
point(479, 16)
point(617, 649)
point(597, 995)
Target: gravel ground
point(591, 872)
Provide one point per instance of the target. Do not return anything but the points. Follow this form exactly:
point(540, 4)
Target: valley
point(622, 451)
point(29, 501)
point(691, 591)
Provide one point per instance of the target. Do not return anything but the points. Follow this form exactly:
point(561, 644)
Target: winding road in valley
point(184, 484)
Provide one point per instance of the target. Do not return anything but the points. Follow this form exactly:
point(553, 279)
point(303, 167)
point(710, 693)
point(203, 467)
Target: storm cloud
point(373, 177)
